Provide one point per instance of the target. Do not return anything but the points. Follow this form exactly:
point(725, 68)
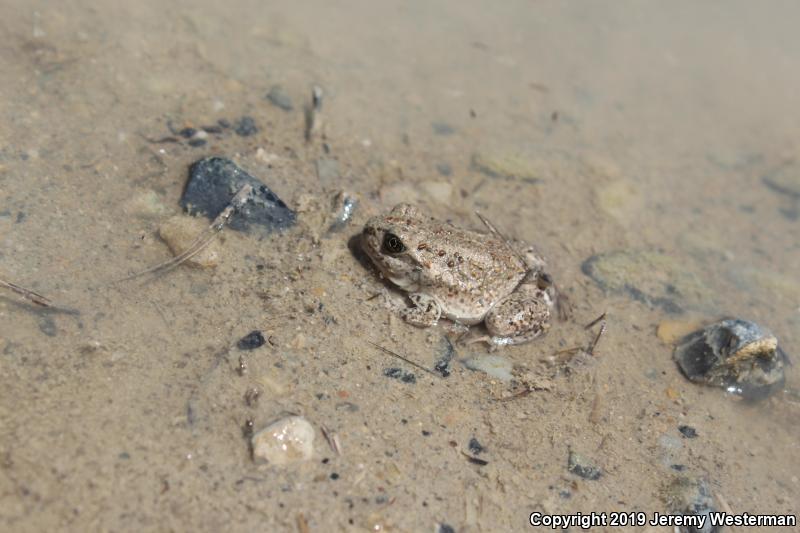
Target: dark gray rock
point(736, 355)
point(251, 341)
point(213, 181)
point(583, 466)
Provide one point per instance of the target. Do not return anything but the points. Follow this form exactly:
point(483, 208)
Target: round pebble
point(180, 232)
point(286, 441)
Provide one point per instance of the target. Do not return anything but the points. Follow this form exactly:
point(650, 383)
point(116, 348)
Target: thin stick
point(28, 294)
point(502, 237)
point(313, 113)
point(595, 321)
point(332, 439)
point(202, 240)
point(597, 338)
point(407, 360)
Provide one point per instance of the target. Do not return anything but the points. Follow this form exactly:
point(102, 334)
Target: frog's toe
point(425, 312)
point(527, 336)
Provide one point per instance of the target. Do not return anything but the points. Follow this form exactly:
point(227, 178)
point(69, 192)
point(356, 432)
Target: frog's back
point(472, 272)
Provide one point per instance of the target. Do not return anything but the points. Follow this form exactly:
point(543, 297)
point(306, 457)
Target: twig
point(595, 321)
point(474, 460)
point(28, 294)
point(597, 338)
point(406, 359)
point(502, 237)
point(302, 523)
point(202, 240)
point(313, 113)
point(332, 439)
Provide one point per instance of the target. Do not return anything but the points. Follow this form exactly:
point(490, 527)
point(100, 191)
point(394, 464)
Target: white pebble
point(283, 442)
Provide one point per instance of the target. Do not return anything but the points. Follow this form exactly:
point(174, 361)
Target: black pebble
point(251, 341)
point(334, 476)
point(442, 365)
point(197, 142)
point(446, 528)
point(399, 373)
point(688, 431)
point(213, 181)
point(187, 133)
point(245, 126)
point(475, 446)
point(583, 467)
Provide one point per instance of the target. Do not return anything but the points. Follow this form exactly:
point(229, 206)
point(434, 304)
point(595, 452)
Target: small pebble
point(48, 326)
point(251, 341)
point(475, 446)
point(286, 441)
point(583, 466)
point(245, 126)
point(688, 431)
point(496, 366)
point(399, 373)
point(180, 232)
point(442, 128)
point(279, 98)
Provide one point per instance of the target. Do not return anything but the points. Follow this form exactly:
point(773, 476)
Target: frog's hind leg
point(425, 311)
point(519, 318)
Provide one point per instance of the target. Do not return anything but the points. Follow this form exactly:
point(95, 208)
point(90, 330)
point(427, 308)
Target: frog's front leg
point(518, 318)
point(425, 311)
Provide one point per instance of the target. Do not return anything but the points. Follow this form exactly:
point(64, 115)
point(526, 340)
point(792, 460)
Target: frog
point(465, 276)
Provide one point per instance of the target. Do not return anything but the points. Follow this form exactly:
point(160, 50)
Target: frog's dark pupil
point(392, 244)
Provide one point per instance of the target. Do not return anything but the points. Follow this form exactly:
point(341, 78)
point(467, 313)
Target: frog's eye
point(392, 244)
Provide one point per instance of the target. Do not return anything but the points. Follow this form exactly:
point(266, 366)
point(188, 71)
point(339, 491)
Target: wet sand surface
point(586, 129)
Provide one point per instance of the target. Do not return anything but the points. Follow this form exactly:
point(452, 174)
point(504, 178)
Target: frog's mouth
point(406, 282)
point(383, 264)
